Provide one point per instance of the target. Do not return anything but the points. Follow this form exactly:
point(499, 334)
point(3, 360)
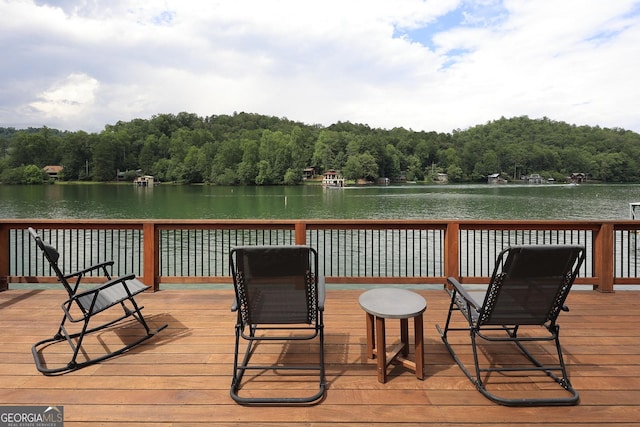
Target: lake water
point(478, 201)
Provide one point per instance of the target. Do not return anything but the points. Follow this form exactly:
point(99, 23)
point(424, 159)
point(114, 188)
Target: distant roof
point(52, 168)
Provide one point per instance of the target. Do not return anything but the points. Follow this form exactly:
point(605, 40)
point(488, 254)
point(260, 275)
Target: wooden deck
point(182, 376)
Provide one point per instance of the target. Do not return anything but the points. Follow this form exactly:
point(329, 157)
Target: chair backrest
point(529, 284)
point(275, 284)
point(52, 255)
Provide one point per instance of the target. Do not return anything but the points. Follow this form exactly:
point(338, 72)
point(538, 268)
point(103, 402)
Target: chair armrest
point(89, 269)
point(321, 293)
point(457, 286)
point(105, 285)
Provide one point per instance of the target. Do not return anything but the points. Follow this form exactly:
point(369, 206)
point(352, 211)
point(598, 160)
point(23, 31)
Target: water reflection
point(482, 201)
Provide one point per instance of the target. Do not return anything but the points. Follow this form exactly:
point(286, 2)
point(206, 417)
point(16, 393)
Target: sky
point(424, 65)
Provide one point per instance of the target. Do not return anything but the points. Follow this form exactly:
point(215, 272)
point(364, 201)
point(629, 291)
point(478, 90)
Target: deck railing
point(351, 251)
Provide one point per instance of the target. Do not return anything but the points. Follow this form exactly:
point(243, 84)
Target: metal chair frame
point(82, 305)
point(246, 320)
point(486, 312)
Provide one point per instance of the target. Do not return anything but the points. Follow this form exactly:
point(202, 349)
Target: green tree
point(275, 152)
point(265, 174)
point(163, 170)
point(33, 175)
point(455, 173)
point(300, 153)
point(227, 177)
point(37, 148)
point(248, 167)
point(225, 158)
point(13, 175)
point(150, 153)
point(195, 166)
point(326, 150)
point(392, 162)
point(76, 151)
point(292, 177)
point(414, 169)
point(106, 151)
point(517, 146)
point(486, 165)
point(361, 166)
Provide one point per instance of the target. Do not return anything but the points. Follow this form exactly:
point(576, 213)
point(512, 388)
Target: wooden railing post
point(4, 258)
point(452, 250)
point(301, 233)
point(603, 254)
point(151, 255)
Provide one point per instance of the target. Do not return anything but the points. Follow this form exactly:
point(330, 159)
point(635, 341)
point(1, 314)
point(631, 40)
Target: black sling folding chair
point(81, 307)
point(528, 288)
point(279, 296)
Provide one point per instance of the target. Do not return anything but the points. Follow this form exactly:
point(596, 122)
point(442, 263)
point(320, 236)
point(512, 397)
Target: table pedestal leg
point(381, 349)
point(419, 338)
point(371, 338)
point(404, 336)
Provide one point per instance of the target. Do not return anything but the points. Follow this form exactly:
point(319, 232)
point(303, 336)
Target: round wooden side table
point(389, 303)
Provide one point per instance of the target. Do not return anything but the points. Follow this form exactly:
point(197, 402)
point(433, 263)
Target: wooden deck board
point(182, 376)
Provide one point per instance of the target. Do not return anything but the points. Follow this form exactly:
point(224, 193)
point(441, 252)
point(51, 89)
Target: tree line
point(254, 149)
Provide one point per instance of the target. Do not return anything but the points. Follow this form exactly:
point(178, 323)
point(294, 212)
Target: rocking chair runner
point(528, 287)
point(82, 305)
point(277, 289)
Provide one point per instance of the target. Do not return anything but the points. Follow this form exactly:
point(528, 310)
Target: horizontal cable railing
point(351, 251)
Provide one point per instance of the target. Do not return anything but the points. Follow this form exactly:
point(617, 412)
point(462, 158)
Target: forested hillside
point(253, 149)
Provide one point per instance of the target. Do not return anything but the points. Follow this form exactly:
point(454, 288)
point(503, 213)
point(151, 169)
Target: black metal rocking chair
point(528, 287)
point(279, 296)
point(83, 304)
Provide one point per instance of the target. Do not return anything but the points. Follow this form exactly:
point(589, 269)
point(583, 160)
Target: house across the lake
point(534, 178)
point(332, 178)
point(308, 173)
point(496, 178)
point(144, 181)
point(578, 178)
point(441, 178)
point(53, 171)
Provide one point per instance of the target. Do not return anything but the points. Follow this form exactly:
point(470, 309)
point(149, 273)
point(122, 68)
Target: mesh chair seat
point(100, 298)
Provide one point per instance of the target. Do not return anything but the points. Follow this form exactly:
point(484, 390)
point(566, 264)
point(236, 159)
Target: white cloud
point(69, 97)
point(425, 65)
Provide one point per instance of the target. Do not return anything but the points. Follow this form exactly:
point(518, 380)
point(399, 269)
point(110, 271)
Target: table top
point(392, 303)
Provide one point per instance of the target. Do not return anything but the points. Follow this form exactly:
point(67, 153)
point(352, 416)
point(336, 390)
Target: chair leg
point(136, 313)
point(62, 335)
point(238, 372)
point(564, 379)
point(323, 380)
point(477, 379)
point(240, 369)
point(443, 332)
